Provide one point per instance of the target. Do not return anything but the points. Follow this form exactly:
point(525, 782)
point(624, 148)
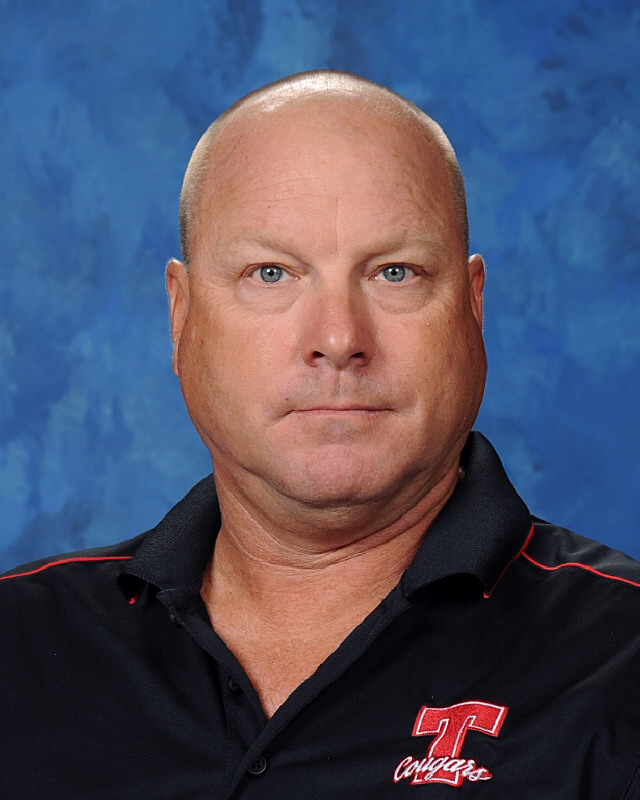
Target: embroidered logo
point(449, 726)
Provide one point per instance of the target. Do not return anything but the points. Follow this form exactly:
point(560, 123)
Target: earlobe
point(177, 283)
point(476, 285)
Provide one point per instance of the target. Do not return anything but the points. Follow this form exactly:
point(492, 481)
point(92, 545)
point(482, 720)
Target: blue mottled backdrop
point(101, 103)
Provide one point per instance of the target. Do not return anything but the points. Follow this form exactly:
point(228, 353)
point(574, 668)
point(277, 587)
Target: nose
point(337, 328)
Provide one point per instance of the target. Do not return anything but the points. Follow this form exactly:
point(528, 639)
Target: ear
point(177, 282)
point(476, 284)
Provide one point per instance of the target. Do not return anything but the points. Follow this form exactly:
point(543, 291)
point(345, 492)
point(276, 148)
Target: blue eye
point(271, 273)
point(394, 273)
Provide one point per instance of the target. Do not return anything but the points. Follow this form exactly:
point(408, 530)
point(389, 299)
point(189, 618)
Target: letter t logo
point(450, 725)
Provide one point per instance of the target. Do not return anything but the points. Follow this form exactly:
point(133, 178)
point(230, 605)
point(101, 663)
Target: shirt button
point(258, 766)
point(233, 685)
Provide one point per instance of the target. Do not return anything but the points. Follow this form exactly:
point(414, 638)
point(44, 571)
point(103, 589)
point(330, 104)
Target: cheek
point(230, 360)
point(442, 358)
point(468, 363)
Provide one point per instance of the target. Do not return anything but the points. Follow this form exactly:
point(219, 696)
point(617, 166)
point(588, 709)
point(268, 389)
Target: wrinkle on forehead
point(323, 208)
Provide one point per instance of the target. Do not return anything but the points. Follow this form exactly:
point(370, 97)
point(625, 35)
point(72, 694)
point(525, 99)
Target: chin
point(338, 481)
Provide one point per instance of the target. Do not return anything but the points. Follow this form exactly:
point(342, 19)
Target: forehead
point(319, 154)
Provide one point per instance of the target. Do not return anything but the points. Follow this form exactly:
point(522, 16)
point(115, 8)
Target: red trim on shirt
point(64, 561)
point(134, 598)
point(520, 552)
point(586, 567)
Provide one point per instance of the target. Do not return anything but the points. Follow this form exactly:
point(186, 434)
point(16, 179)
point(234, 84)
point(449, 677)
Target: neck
point(262, 539)
point(265, 590)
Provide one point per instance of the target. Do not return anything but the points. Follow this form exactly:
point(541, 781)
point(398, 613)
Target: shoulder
point(557, 552)
point(53, 608)
point(569, 583)
point(82, 568)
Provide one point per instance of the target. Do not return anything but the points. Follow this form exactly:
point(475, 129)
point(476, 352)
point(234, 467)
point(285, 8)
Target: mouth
point(349, 409)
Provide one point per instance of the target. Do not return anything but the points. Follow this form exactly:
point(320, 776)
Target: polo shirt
point(504, 664)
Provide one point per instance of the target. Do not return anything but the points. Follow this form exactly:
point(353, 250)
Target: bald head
point(335, 90)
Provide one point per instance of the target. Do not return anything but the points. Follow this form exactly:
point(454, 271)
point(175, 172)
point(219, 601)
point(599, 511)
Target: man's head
point(327, 331)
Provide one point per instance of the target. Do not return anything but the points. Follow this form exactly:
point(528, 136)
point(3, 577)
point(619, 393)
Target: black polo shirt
point(505, 664)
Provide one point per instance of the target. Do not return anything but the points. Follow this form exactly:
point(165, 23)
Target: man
point(367, 609)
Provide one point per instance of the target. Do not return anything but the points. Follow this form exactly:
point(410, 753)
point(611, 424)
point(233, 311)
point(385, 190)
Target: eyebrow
point(379, 247)
point(405, 241)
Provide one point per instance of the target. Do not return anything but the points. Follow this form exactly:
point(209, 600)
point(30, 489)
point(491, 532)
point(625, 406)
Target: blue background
point(101, 103)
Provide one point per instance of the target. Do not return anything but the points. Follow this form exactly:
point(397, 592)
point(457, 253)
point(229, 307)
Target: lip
point(339, 409)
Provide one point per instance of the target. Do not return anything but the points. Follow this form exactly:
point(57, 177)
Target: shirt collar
point(174, 554)
point(479, 531)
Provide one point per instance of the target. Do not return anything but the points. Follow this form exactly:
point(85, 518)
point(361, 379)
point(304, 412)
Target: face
point(328, 334)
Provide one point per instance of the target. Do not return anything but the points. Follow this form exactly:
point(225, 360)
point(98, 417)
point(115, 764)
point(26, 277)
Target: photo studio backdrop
point(101, 103)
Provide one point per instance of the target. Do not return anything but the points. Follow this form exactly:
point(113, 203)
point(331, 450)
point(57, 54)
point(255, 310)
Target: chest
point(279, 657)
point(416, 701)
